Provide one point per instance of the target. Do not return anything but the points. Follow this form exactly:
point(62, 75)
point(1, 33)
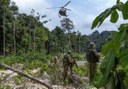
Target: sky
point(82, 13)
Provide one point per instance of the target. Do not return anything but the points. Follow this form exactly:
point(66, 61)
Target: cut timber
point(25, 75)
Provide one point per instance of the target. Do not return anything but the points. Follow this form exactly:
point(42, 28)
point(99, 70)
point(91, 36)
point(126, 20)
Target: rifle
point(74, 62)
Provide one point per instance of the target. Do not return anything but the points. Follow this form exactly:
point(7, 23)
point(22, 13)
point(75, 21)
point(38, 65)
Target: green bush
point(81, 70)
point(19, 79)
point(9, 60)
point(5, 87)
point(79, 56)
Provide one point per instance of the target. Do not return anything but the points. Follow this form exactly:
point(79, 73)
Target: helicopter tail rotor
point(67, 9)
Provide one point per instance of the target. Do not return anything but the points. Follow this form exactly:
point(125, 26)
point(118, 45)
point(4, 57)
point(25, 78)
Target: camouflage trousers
point(66, 72)
point(92, 69)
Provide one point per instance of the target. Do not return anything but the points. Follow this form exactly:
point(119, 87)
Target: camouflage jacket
point(92, 56)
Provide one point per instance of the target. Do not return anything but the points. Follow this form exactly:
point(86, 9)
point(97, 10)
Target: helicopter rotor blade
point(53, 8)
point(66, 3)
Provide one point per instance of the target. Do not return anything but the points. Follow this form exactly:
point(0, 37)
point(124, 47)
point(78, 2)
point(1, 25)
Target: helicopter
point(62, 11)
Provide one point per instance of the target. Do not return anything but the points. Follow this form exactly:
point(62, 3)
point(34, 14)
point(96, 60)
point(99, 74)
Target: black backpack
point(91, 56)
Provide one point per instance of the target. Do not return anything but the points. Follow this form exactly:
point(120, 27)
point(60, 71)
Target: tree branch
point(25, 75)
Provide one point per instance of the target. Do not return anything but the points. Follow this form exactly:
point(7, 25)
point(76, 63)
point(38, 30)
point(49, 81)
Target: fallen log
point(25, 75)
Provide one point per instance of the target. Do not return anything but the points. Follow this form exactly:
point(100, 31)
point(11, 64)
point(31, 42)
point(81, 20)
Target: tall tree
point(4, 9)
point(14, 10)
point(56, 41)
point(67, 25)
point(79, 35)
point(34, 30)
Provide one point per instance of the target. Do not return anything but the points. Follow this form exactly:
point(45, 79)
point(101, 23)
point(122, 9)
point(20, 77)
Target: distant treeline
point(23, 33)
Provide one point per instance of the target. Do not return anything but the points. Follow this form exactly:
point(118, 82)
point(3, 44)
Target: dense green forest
point(23, 33)
point(24, 39)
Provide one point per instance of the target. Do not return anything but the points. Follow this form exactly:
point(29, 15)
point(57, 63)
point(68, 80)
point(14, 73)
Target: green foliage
point(114, 66)
point(111, 11)
point(5, 87)
point(9, 60)
point(81, 70)
point(79, 56)
point(114, 16)
point(40, 61)
point(26, 33)
point(125, 10)
point(99, 19)
point(126, 79)
point(19, 80)
point(57, 41)
point(19, 30)
point(124, 41)
point(106, 68)
point(124, 57)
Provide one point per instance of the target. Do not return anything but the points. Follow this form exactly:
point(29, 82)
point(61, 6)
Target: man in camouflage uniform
point(56, 70)
point(68, 63)
point(92, 58)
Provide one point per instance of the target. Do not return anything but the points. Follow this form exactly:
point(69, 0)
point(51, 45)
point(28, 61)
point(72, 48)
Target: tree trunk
point(14, 36)
point(34, 42)
point(4, 34)
point(79, 44)
point(69, 41)
point(25, 75)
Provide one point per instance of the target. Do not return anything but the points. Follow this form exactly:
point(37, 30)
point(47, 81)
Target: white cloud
point(27, 5)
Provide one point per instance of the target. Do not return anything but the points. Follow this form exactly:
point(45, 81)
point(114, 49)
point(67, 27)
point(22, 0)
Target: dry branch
point(25, 75)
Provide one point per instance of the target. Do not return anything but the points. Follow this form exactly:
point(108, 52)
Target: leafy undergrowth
point(81, 70)
point(27, 63)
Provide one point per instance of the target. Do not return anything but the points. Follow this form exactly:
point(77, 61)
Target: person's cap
point(55, 57)
point(91, 45)
point(69, 51)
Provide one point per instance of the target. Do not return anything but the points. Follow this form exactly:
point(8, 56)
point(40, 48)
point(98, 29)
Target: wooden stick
point(25, 75)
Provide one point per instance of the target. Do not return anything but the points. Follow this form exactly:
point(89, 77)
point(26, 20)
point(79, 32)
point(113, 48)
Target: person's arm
point(96, 54)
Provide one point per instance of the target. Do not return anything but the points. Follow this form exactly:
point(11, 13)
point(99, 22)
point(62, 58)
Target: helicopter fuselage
point(62, 12)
